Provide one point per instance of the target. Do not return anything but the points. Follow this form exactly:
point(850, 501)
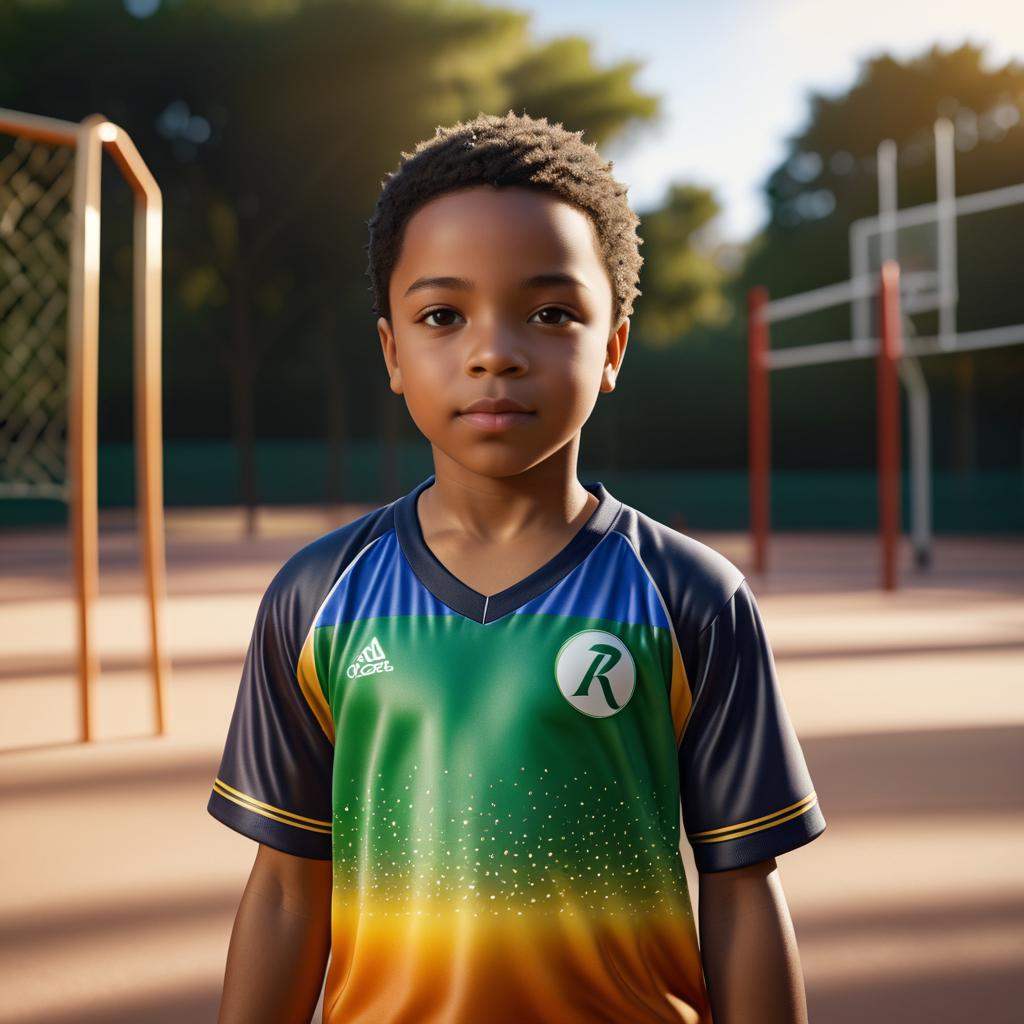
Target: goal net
point(35, 225)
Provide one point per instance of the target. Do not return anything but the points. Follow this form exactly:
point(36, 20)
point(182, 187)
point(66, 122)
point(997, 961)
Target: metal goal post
point(50, 216)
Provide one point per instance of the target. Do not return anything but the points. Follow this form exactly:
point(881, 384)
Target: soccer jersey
point(498, 779)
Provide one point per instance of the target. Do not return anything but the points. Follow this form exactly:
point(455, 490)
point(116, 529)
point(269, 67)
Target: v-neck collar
point(461, 598)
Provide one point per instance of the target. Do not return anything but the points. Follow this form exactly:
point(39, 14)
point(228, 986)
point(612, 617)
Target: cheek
point(426, 381)
point(572, 383)
point(580, 367)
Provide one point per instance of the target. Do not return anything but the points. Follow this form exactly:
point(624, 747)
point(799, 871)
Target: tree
point(681, 279)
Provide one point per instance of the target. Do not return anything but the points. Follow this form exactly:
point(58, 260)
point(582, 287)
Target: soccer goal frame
point(896, 348)
point(89, 139)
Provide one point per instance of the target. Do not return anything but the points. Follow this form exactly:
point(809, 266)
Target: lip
point(495, 405)
point(495, 414)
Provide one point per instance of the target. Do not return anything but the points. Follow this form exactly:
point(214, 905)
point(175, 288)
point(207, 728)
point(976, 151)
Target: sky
point(735, 76)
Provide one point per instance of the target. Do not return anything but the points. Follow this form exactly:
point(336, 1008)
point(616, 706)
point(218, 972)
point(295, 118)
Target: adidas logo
point(371, 660)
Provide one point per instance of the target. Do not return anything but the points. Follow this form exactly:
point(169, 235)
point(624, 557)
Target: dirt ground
point(119, 890)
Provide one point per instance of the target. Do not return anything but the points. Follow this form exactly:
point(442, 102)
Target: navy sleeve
point(746, 791)
point(274, 782)
point(275, 779)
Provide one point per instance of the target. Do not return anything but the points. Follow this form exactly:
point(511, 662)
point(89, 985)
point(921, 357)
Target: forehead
point(485, 231)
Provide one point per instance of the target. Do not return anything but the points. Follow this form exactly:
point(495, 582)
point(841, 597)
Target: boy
point(467, 719)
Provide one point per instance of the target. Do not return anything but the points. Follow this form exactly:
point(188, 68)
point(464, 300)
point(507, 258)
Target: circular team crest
point(595, 673)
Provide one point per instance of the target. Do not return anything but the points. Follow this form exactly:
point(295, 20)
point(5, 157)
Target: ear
point(390, 350)
point(613, 355)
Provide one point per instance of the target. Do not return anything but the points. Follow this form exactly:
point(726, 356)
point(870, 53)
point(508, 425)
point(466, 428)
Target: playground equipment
point(50, 217)
point(877, 247)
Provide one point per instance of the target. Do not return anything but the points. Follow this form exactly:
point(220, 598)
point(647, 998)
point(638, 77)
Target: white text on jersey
point(371, 660)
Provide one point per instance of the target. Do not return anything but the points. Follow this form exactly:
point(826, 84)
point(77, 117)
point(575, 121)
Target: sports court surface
point(119, 889)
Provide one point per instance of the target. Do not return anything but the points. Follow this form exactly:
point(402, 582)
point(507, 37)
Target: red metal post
point(889, 352)
point(759, 423)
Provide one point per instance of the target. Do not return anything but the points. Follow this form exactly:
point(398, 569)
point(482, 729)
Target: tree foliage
point(681, 279)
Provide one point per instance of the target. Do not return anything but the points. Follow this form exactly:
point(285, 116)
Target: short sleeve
point(274, 782)
point(747, 794)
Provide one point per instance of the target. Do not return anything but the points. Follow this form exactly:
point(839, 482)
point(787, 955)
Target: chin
point(495, 464)
point(497, 459)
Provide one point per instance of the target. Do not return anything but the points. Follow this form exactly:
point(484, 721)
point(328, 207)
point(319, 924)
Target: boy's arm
point(280, 941)
point(748, 946)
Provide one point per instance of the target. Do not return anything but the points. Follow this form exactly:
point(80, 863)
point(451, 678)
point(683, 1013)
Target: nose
point(494, 348)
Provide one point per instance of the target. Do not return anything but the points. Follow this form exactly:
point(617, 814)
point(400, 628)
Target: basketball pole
point(945, 203)
point(888, 413)
point(759, 415)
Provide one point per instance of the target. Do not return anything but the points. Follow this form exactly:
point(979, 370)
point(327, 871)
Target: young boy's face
point(500, 294)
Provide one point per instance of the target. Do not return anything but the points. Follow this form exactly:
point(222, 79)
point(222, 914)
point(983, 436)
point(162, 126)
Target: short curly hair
point(513, 149)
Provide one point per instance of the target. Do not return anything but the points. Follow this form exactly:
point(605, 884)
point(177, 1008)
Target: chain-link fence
point(35, 224)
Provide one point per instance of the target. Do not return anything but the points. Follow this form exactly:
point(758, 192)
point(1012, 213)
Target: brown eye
point(447, 317)
point(548, 311)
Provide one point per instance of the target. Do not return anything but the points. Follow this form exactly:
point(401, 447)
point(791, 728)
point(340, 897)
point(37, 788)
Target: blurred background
point(270, 125)
point(748, 134)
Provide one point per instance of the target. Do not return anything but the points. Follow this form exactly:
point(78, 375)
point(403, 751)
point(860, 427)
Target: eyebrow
point(439, 282)
point(539, 280)
point(462, 283)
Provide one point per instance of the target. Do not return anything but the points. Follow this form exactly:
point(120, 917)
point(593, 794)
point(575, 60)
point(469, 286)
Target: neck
point(499, 508)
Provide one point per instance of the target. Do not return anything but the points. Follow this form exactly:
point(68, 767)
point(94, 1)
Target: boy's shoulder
point(302, 583)
point(695, 580)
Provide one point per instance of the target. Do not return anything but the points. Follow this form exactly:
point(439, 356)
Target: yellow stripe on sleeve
point(250, 803)
point(745, 828)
